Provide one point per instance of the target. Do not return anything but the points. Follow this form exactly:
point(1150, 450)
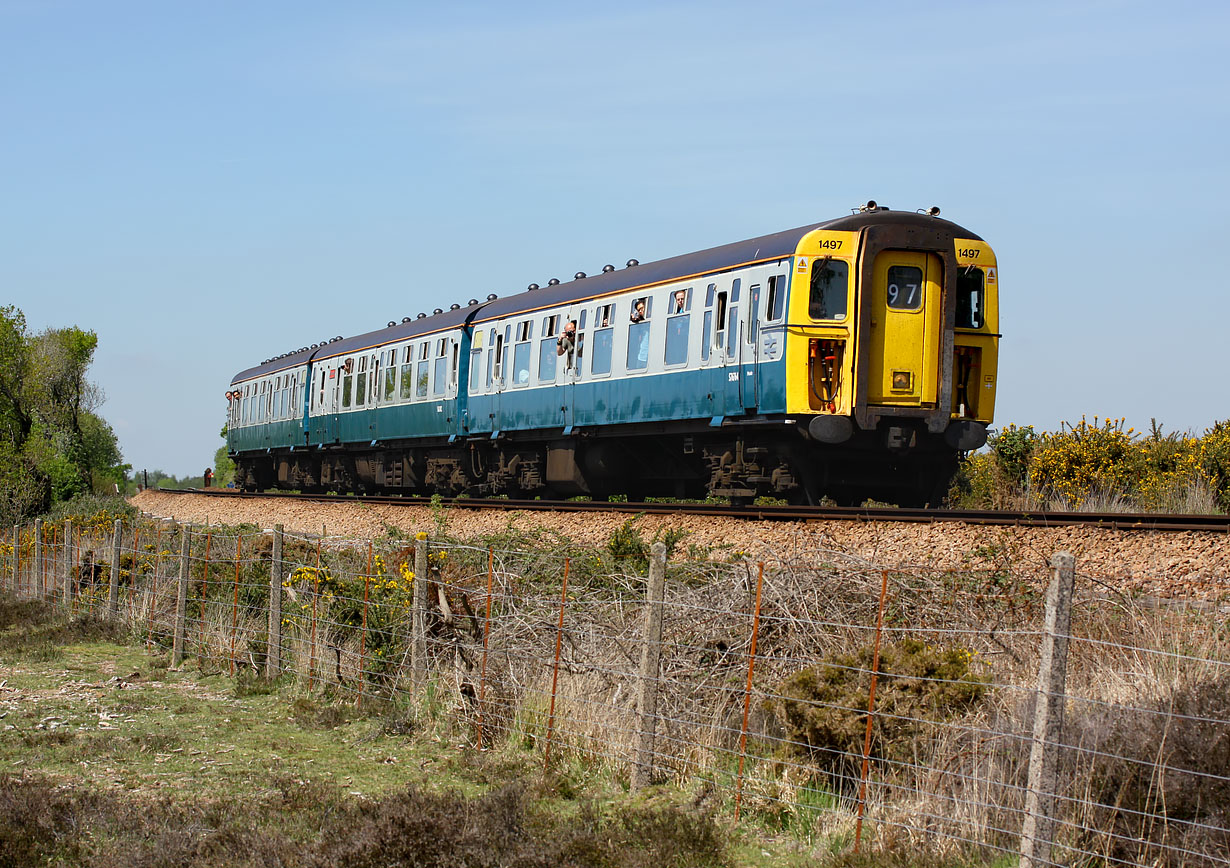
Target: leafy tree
point(52, 444)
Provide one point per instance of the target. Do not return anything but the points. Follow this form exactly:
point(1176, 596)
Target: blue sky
point(209, 184)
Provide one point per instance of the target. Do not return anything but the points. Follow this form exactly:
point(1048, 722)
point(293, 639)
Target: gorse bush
point(1098, 464)
point(824, 708)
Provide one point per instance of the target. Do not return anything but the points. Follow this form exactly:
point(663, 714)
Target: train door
point(329, 408)
point(905, 324)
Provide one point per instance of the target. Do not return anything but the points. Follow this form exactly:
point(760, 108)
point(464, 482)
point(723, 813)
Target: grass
point(113, 758)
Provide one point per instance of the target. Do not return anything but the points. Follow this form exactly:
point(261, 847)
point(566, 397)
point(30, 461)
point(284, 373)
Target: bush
point(824, 708)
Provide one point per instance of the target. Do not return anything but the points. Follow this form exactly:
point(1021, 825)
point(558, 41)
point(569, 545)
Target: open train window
point(642, 309)
point(550, 325)
point(678, 322)
point(360, 386)
point(830, 282)
point(347, 382)
point(775, 303)
point(604, 315)
point(971, 296)
point(732, 318)
point(680, 301)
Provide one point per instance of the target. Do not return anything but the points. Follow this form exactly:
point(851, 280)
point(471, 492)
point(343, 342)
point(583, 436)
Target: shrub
point(824, 708)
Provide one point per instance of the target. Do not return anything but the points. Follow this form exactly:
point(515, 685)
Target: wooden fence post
point(16, 558)
point(113, 593)
point(651, 656)
point(1038, 828)
point(181, 599)
point(70, 580)
point(273, 650)
point(40, 587)
point(418, 638)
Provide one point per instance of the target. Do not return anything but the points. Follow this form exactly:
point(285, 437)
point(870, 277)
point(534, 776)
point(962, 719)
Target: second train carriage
point(852, 358)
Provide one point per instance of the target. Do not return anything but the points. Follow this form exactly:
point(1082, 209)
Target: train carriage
point(847, 359)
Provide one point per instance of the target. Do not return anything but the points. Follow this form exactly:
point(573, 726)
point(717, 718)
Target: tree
point(52, 444)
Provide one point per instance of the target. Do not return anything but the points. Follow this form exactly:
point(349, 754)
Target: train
point(837, 362)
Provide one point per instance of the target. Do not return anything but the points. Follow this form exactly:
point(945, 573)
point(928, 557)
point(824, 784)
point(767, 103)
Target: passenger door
point(905, 325)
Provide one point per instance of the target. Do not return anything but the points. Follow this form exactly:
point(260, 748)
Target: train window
point(490, 362)
point(704, 341)
point(347, 386)
point(423, 349)
point(390, 383)
point(525, 330)
point(407, 354)
point(719, 317)
point(753, 314)
point(732, 321)
point(677, 339)
point(604, 340)
point(360, 385)
point(830, 289)
point(775, 305)
point(905, 287)
point(971, 296)
point(638, 344)
point(476, 369)
point(548, 352)
point(499, 357)
point(440, 375)
point(452, 379)
point(550, 326)
point(424, 372)
point(406, 388)
point(680, 301)
point(521, 364)
point(604, 315)
point(582, 323)
point(642, 309)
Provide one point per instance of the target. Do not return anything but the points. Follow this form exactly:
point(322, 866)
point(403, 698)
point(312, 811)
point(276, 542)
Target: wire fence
point(974, 711)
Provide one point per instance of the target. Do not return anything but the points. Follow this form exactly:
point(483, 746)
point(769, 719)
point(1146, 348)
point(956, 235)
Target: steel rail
point(1116, 521)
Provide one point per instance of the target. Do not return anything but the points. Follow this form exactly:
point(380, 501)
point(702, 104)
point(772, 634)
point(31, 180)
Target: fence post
point(273, 651)
point(16, 556)
point(113, 593)
point(1037, 830)
point(70, 580)
point(39, 578)
point(418, 638)
point(181, 600)
point(651, 655)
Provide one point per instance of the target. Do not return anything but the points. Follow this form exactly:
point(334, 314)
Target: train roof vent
point(531, 287)
point(632, 263)
point(454, 307)
point(392, 323)
point(553, 282)
point(580, 275)
point(406, 319)
point(420, 315)
point(438, 310)
point(608, 268)
point(491, 296)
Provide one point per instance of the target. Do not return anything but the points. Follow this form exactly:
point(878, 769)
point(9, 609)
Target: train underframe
point(899, 463)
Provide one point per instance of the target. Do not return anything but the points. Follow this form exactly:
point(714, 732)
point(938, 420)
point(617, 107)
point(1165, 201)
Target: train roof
point(715, 259)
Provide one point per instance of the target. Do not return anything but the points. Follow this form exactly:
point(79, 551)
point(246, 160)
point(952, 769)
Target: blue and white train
point(852, 358)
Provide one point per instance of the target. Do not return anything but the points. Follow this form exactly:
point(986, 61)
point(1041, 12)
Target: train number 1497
point(830, 244)
point(969, 252)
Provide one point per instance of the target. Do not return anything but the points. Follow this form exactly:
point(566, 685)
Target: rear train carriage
point(853, 358)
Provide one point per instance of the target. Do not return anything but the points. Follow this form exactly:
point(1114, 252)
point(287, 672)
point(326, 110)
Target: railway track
point(1118, 521)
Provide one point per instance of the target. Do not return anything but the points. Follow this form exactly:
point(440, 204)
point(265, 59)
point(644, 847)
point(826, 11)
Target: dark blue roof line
point(715, 259)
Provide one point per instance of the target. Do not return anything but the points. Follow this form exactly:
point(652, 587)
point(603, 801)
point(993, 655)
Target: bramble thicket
point(1099, 465)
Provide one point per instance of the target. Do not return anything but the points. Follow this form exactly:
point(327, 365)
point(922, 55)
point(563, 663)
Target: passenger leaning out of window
point(638, 313)
point(681, 300)
point(567, 340)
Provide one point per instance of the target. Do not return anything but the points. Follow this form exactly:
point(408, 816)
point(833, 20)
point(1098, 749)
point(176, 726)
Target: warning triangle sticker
point(990, 275)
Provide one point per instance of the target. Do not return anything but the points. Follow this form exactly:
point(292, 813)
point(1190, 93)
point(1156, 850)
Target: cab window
point(971, 296)
point(905, 287)
point(830, 282)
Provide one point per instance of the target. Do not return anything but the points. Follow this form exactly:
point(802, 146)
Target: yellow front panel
point(905, 327)
point(985, 339)
point(809, 322)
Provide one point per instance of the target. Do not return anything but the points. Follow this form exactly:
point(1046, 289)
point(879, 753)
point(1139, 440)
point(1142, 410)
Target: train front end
point(892, 350)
